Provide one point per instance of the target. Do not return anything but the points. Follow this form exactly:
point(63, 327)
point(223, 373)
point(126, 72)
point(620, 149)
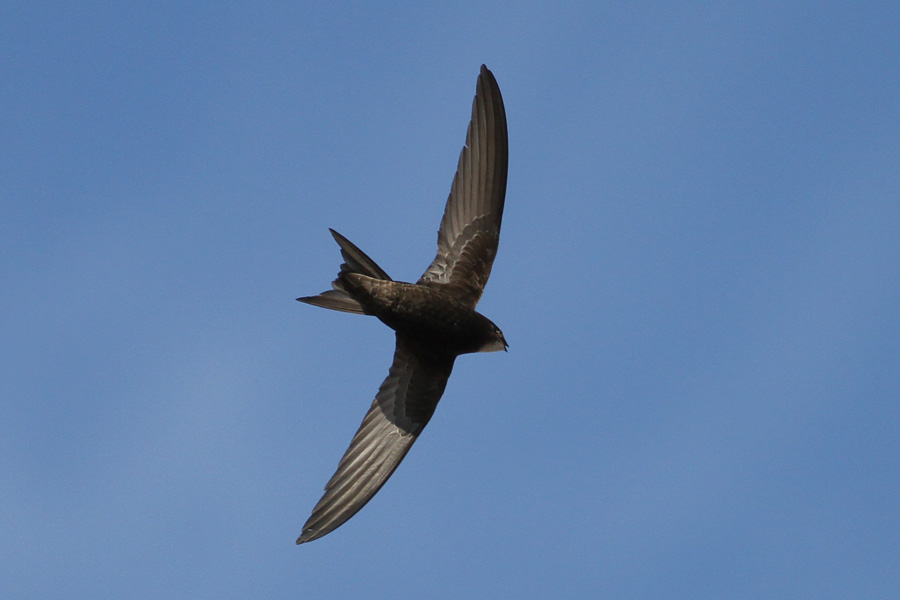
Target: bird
point(434, 319)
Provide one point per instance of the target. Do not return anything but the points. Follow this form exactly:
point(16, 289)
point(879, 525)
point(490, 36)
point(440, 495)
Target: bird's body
point(434, 319)
point(424, 315)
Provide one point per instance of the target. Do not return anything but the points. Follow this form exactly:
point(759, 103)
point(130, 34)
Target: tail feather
point(355, 261)
point(335, 300)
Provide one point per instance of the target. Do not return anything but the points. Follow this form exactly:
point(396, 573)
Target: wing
point(402, 407)
point(470, 229)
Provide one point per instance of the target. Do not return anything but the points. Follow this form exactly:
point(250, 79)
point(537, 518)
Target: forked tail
point(355, 261)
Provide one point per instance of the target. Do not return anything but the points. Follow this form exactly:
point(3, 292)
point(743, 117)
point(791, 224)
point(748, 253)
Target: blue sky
point(698, 277)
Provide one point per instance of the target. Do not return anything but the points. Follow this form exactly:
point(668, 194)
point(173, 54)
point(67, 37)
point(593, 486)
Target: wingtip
point(307, 535)
point(310, 535)
point(485, 72)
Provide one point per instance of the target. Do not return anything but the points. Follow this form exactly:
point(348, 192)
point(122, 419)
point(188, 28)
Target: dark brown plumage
point(434, 319)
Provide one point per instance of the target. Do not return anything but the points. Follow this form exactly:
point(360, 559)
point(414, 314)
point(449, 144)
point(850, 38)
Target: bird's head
point(495, 340)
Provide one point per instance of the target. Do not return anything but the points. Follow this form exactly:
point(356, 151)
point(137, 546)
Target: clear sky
point(699, 278)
